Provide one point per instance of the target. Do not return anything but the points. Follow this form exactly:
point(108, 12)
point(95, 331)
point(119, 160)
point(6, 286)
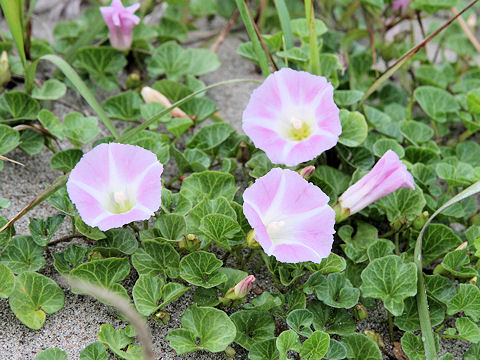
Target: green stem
point(397, 247)
point(276, 282)
point(314, 54)
point(390, 325)
point(176, 178)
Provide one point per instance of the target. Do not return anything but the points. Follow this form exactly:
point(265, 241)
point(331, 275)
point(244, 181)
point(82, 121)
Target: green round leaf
point(52, 89)
point(354, 128)
point(361, 347)
point(22, 254)
point(435, 102)
point(33, 296)
point(7, 280)
point(316, 346)
point(52, 354)
point(66, 160)
point(201, 268)
point(390, 280)
point(204, 328)
point(9, 139)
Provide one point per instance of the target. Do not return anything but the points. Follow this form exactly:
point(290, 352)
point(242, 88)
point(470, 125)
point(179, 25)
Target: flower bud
point(133, 80)
point(360, 312)
point(238, 292)
point(399, 223)
point(147, 6)
point(307, 172)
point(243, 153)
point(388, 174)
point(120, 21)
point(252, 242)
point(5, 74)
point(243, 287)
point(375, 337)
point(151, 95)
point(162, 317)
point(472, 281)
point(230, 353)
point(462, 246)
point(190, 242)
point(94, 255)
point(420, 220)
point(472, 21)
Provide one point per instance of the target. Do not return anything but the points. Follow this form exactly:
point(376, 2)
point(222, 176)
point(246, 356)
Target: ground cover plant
point(351, 188)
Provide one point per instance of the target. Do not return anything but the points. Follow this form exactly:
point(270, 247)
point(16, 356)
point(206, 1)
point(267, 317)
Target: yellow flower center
point(299, 130)
point(120, 204)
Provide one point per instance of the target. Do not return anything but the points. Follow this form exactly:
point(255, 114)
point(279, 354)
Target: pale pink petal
point(115, 184)
point(290, 216)
point(120, 21)
point(388, 175)
point(292, 117)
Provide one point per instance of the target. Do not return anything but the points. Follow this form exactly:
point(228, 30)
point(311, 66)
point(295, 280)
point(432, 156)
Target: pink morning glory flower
point(388, 175)
point(292, 117)
point(120, 21)
point(290, 217)
point(400, 5)
point(115, 184)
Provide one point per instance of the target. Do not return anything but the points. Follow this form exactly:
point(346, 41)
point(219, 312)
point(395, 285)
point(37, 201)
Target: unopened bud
point(133, 80)
point(251, 241)
point(162, 317)
point(462, 246)
point(147, 6)
point(151, 95)
point(190, 242)
point(94, 255)
point(360, 312)
point(238, 292)
point(5, 74)
point(230, 353)
point(243, 153)
point(472, 281)
point(420, 221)
point(399, 223)
point(375, 337)
point(472, 20)
point(307, 172)
point(243, 287)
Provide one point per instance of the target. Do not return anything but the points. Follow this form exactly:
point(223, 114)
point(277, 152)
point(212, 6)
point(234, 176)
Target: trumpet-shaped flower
point(388, 175)
point(292, 117)
point(115, 184)
point(290, 217)
point(120, 21)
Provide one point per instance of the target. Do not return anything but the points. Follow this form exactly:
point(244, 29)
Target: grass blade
point(247, 20)
point(312, 31)
point(13, 11)
point(422, 304)
point(82, 89)
point(284, 17)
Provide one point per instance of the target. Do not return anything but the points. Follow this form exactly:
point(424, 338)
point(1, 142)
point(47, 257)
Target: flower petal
point(110, 172)
point(290, 216)
point(292, 117)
